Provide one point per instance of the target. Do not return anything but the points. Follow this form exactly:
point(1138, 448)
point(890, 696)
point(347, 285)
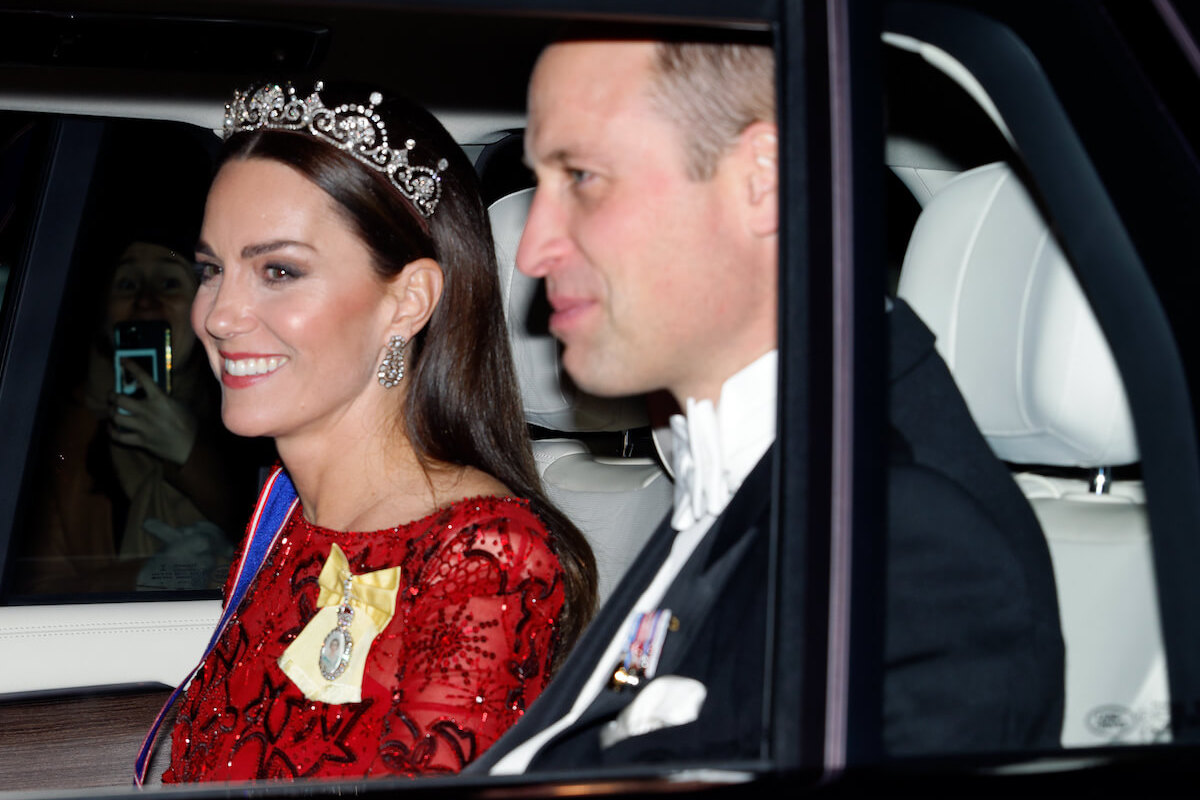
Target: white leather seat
point(616, 502)
point(985, 273)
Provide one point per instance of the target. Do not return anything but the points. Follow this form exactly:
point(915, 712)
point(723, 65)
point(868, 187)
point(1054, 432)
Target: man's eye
point(578, 176)
point(125, 286)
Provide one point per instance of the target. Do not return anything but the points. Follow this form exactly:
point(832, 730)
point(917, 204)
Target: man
point(655, 227)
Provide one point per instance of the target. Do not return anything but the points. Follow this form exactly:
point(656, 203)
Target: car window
point(966, 148)
point(71, 543)
point(1056, 186)
point(108, 508)
point(985, 270)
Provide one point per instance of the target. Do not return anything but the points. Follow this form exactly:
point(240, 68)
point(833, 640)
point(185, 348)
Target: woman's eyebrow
point(252, 250)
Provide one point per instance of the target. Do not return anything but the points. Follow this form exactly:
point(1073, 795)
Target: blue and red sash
point(275, 505)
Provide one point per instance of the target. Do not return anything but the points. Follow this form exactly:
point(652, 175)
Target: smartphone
point(148, 343)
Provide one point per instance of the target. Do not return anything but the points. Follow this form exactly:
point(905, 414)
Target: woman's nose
point(223, 311)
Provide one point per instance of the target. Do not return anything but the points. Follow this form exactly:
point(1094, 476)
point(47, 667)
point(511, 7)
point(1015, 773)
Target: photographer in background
point(139, 495)
point(139, 486)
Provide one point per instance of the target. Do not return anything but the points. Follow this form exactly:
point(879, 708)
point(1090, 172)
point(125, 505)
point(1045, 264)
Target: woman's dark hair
point(462, 405)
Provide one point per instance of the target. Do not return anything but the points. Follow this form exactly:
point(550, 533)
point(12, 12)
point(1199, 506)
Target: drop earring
point(391, 369)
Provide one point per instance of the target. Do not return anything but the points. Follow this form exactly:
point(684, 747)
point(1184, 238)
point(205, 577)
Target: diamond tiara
point(354, 129)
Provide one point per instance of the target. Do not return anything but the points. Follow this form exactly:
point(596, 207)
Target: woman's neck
point(360, 483)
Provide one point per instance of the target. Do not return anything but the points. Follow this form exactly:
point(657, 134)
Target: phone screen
point(148, 344)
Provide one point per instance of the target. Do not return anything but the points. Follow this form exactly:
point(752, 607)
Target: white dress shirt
point(715, 448)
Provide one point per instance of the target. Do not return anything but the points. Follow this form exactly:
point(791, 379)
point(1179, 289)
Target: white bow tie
point(701, 485)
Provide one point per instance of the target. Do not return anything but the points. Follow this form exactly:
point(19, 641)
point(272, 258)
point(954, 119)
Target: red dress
point(467, 650)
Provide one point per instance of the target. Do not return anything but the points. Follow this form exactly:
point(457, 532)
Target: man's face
point(648, 272)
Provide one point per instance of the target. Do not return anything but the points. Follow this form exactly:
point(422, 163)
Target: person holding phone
point(420, 590)
point(148, 303)
point(166, 431)
point(146, 486)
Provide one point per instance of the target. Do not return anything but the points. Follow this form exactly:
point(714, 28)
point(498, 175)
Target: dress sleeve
point(478, 640)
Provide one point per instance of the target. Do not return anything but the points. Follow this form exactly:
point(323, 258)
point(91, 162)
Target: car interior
point(970, 247)
point(984, 272)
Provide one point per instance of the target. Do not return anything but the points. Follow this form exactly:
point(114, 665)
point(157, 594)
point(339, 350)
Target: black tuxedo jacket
point(973, 645)
point(973, 649)
point(719, 599)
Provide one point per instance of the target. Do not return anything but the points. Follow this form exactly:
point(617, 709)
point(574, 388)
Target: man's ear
point(416, 292)
point(760, 142)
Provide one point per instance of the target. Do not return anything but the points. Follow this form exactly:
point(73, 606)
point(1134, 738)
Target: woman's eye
point(276, 273)
point(206, 271)
point(578, 176)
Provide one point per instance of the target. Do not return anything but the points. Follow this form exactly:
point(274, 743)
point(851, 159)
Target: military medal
point(335, 652)
point(643, 648)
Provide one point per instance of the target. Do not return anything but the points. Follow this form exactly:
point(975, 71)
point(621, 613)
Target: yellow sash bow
point(373, 600)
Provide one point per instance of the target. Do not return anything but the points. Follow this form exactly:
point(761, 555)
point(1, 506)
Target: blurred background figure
point(141, 489)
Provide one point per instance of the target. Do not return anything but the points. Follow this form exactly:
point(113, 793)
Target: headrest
point(549, 397)
point(986, 275)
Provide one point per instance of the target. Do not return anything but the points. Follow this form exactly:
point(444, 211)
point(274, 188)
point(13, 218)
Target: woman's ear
point(416, 291)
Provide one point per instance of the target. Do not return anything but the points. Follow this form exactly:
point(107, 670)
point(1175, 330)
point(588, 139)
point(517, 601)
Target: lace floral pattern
point(468, 649)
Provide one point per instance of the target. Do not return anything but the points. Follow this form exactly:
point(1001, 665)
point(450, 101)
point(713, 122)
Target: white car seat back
point(616, 502)
point(984, 271)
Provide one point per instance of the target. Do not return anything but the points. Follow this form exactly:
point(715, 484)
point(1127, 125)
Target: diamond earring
point(391, 369)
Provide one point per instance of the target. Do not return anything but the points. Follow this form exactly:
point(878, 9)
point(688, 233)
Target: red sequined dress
point(467, 649)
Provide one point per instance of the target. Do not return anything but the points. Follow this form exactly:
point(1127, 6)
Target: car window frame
point(1010, 64)
point(831, 324)
point(35, 315)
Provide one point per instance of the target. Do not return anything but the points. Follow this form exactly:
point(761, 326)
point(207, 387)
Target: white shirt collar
point(715, 448)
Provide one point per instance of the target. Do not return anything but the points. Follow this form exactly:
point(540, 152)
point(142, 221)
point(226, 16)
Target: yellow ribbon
point(373, 599)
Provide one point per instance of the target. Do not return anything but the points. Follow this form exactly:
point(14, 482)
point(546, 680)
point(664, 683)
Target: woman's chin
point(249, 426)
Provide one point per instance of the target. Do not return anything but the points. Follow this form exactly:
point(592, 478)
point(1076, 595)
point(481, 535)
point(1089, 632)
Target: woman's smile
point(239, 365)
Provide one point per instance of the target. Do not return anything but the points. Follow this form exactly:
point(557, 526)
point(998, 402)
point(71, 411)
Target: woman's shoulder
point(479, 499)
point(502, 513)
point(505, 528)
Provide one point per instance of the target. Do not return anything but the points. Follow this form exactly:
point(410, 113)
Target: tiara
point(354, 129)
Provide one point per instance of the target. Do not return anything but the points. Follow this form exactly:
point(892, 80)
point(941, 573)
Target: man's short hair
point(713, 92)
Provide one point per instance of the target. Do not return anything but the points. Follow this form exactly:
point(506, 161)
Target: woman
point(412, 606)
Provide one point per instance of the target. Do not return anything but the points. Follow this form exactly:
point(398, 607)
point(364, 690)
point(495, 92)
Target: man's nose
point(544, 242)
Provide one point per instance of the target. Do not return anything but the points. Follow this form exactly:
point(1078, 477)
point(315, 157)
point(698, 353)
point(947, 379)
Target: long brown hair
point(462, 406)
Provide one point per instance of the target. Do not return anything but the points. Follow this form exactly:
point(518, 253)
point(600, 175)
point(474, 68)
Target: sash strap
point(275, 505)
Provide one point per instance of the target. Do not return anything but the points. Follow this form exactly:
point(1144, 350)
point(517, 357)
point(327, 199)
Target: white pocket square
point(665, 702)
